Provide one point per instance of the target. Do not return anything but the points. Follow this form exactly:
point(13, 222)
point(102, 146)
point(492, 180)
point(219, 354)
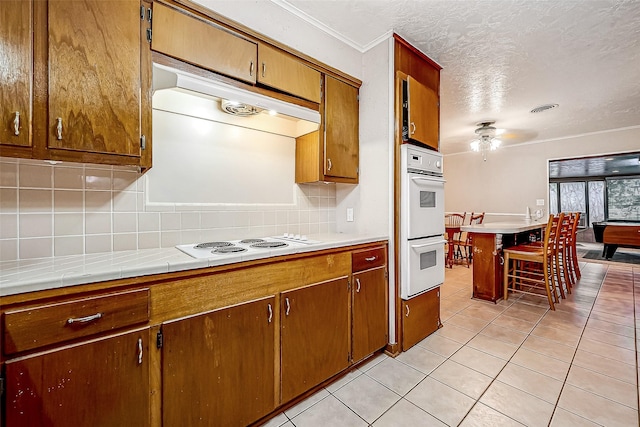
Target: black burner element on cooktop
point(228, 249)
point(210, 245)
point(249, 241)
point(269, 245)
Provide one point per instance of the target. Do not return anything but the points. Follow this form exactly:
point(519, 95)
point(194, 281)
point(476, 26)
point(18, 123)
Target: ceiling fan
point(486, 140)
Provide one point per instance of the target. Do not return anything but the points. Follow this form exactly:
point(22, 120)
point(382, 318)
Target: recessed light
point(545, 107)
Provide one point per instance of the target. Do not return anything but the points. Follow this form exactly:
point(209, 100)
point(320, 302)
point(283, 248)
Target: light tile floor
point(508, 364)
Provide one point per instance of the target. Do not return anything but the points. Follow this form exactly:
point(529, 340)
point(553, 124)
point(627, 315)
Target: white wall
point(371, 198)
point(513, 177)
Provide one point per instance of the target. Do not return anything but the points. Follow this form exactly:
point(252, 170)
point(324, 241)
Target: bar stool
point(465, 241)
point(561, 259)
point(573, 252)
point(526, 275)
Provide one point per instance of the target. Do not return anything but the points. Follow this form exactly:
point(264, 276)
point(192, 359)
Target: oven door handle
point(430, 179)
point(439, 242)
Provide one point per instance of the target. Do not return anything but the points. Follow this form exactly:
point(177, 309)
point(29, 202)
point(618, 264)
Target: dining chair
point(453, 222)
point(530, 268)
point(464, 244)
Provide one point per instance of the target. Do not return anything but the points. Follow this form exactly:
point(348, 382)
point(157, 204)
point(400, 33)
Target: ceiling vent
point(544, 107)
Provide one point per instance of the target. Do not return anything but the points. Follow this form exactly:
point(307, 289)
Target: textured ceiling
point(502, 58)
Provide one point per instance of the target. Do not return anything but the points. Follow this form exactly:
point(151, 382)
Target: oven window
point(427, 199)
point(428, 260)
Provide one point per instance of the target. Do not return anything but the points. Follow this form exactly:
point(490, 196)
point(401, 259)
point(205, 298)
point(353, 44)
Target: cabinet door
point(420, 317)
point(423, 113)
point(219, 367)
point(314, 335)
point(370, 323)
point(94, 76)
point(203, 44)
point(283, 71)
point(99, 383)
point(341, 129)
point(16, 57)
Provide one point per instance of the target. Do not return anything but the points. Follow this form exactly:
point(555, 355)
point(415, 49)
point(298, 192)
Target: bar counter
point(488, 240)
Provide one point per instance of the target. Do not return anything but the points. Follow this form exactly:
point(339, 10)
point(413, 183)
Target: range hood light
point(273, 113)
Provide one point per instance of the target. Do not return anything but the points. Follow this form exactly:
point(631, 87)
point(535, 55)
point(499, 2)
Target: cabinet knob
point(413, 128)
point(59, 128)
point(264, 69)
point(286, 302)
point(251, 69)
point(407, 307)
point(357, 285)
point(329, 164)
point(16, 124)
point(270, 312)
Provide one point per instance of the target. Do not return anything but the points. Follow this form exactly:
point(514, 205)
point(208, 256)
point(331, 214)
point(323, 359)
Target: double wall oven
point(422, 258)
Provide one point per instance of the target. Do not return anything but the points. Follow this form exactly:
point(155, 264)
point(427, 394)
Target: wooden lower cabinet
point(314, 335)
point(218, 367)
point(99, 383)
point(420, 317)
point(370, 322)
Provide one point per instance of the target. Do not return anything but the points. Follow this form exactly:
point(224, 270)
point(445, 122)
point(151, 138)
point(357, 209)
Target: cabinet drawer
point(39, 326)
point(369, 258)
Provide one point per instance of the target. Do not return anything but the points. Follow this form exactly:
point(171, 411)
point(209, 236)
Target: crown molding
point(330, 31)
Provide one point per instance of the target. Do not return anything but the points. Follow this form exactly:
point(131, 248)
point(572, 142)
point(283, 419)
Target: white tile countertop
point(23, 276)
point(505, 227)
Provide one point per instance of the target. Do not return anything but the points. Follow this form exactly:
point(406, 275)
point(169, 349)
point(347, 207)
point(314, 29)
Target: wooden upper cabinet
point(341, 122)
point(314, 335)
point(282, 71)
point(423, 113)
point(94, 79)
point(332, 153)
point(16, 57)
point(98, 383)
point(218, 368)
point(203, 44)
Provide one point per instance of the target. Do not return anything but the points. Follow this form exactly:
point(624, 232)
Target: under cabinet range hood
point(179, 92)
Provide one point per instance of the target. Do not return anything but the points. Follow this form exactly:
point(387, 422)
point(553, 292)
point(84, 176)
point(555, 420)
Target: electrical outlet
point(349, 214)
point(539, 202)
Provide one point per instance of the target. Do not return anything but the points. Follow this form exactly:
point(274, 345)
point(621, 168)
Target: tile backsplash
point(70, 209)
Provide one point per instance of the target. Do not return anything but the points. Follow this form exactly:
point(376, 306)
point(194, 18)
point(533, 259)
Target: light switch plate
point(539, 202)
point(349, 214)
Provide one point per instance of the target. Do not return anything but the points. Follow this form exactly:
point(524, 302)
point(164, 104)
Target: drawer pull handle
point(270, 312)
point(286, 301)
point(264, 69)
point(86, 319)
point(357, 285)
point(139, 351)
point(370, 259)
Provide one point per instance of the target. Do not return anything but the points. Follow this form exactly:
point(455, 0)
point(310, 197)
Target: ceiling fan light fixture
point(486, 140)
point(545, 107)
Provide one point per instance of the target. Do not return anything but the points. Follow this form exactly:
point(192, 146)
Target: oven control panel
point(421, 160)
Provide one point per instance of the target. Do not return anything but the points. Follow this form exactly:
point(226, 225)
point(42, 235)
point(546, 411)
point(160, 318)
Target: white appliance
point(422, 258)
point(246, 249)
